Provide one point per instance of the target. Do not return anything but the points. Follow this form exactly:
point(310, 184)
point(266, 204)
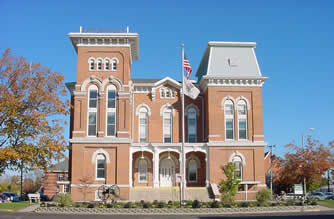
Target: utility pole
point(271, 167)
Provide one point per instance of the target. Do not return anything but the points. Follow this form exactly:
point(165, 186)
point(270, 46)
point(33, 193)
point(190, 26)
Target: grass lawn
point(327, 203)
point(14, 205)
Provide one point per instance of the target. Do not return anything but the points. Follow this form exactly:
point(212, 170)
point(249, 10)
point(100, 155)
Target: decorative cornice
point(237, 144)
point(102, 140)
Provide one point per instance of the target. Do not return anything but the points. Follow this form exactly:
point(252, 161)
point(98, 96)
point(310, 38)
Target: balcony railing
point(103, 30)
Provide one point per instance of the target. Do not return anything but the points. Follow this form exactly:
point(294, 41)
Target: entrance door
point(167, 173)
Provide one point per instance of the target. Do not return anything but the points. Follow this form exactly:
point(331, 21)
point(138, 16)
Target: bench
point(36, 197)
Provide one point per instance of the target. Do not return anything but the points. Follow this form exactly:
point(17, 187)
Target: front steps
point(168, 193)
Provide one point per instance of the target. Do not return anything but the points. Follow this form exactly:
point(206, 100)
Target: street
point(308, 215)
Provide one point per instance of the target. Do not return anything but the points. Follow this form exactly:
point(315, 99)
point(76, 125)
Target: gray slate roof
point(60, 167)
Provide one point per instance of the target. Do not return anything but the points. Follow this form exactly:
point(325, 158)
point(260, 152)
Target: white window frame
point(111, 110)
point(168, 110)
point(194, 161)
point(107, 60)
point(145, 171)
point(229, 117)
point(242, 117)
point(142, 111)
point(99, 61)
point(237, 159)
point(192, 110)
point(114, 64)
point(64, 188)
point(164, 91)
point(91, 63)
point(92, 110)
point(96, 167)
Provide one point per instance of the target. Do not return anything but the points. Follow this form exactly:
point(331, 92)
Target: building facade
point(127, 131)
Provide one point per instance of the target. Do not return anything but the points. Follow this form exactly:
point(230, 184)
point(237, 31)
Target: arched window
point(100, 167)
point(107, 64)
point(238, 164)
point(91, 64)
point(111, 110)
point(168, 124)
point(242, 119)
point(114, 64)
point(92, 110)
point(229, 119)
point(191, 115)
point(99, 64)
point(192, 171)
point(142, 168)
point(143, 125)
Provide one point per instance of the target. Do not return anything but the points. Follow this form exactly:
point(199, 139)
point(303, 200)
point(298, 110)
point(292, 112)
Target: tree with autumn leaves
point(32, 110)
point(311, 162)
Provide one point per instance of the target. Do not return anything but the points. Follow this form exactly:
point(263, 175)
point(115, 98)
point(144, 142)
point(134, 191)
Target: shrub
point(146, 205)
point(128, 205)
point(51, 205)
point(90, 205)
point(243, 204)
point(64, 199)
point(263, 196)
point(42, 204)
point(77, 205)
point(161, 204)
point(215, 204)
point(227, 199)
point(196, 204)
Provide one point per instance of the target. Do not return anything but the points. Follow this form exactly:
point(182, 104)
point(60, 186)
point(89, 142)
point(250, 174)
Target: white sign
point(178, 178)
point(298, 189)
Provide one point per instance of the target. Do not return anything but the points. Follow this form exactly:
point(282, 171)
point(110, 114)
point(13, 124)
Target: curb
point(176, 211)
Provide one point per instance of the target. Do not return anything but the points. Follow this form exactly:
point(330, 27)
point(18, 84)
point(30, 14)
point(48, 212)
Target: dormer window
point(167, 93)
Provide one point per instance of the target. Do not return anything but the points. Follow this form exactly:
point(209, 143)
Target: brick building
point(55, 180)
point(127, 131)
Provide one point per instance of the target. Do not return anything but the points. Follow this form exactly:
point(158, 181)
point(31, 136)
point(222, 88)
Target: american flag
point(187, 67)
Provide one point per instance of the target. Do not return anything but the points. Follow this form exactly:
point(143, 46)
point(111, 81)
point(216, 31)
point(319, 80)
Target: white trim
point(111, 110)
point(167, 105)
point(237, 143)
point(232, 44)
point(245, 99)
point(91, 79)
point(145, 106)
point(98, 185)
point(100, 140)
point(96, 167)
point(170, 108)
point(100, 151)
point(114, 81)
point(249, 182)
point(93, 110)
point(63, 182)
point(237, 154)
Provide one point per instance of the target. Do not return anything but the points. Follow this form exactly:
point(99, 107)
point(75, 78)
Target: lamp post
point(304, 178)
point(271, 167)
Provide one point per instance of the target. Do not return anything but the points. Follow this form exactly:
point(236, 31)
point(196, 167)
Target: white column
point(130, 170)
point(184, 169)
point(156, 169)
point(207, 180)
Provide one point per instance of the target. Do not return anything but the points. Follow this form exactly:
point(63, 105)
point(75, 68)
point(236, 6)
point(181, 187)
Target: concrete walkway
point(30, 208)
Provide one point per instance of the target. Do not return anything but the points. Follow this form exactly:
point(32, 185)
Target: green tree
point(229, 186)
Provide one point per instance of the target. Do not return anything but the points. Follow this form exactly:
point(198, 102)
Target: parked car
point(4, 197)
point(13, 196)
point(317, 196)
point(330, 197)
point(328, 193)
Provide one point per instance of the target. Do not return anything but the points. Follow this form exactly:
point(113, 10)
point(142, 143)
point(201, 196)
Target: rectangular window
point(111, 124)
point(229, 128)
point(60, 177)
point(100, 169)
point(66, 188)
point(92, 124)
point(242, 129)
point(143, 127)
point(191, 127)
point(111, 99)
point(167, 127)
point(92, 98)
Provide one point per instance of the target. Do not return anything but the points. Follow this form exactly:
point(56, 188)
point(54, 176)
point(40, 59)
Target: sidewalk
point(30, 208)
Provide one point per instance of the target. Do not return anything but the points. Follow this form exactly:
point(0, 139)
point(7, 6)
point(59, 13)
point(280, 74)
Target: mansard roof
point(229, 60)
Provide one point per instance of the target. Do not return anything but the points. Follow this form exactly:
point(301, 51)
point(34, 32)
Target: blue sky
point(295, 47)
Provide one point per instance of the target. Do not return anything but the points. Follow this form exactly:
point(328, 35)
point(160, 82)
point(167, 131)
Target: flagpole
point(182, 148)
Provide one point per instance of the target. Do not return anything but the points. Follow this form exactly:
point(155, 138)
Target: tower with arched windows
point(127, 131)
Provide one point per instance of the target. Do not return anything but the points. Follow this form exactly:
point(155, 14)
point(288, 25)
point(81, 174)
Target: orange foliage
point(31, 112)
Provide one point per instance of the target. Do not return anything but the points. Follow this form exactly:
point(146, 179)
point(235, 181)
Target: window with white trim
point(229, 119)
point(192, 171)
point(111, 110)
point(66, 188)
point(92, 110)
point(167, 124)
point(191, 117)
point(114, 65)
point(162, 93)
point(242, 120)
point(107, 64)
point(142, 167)
point(91, 64)
point(143, 125)
point(238, 167)
point(99, 64)
point(100, 167)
